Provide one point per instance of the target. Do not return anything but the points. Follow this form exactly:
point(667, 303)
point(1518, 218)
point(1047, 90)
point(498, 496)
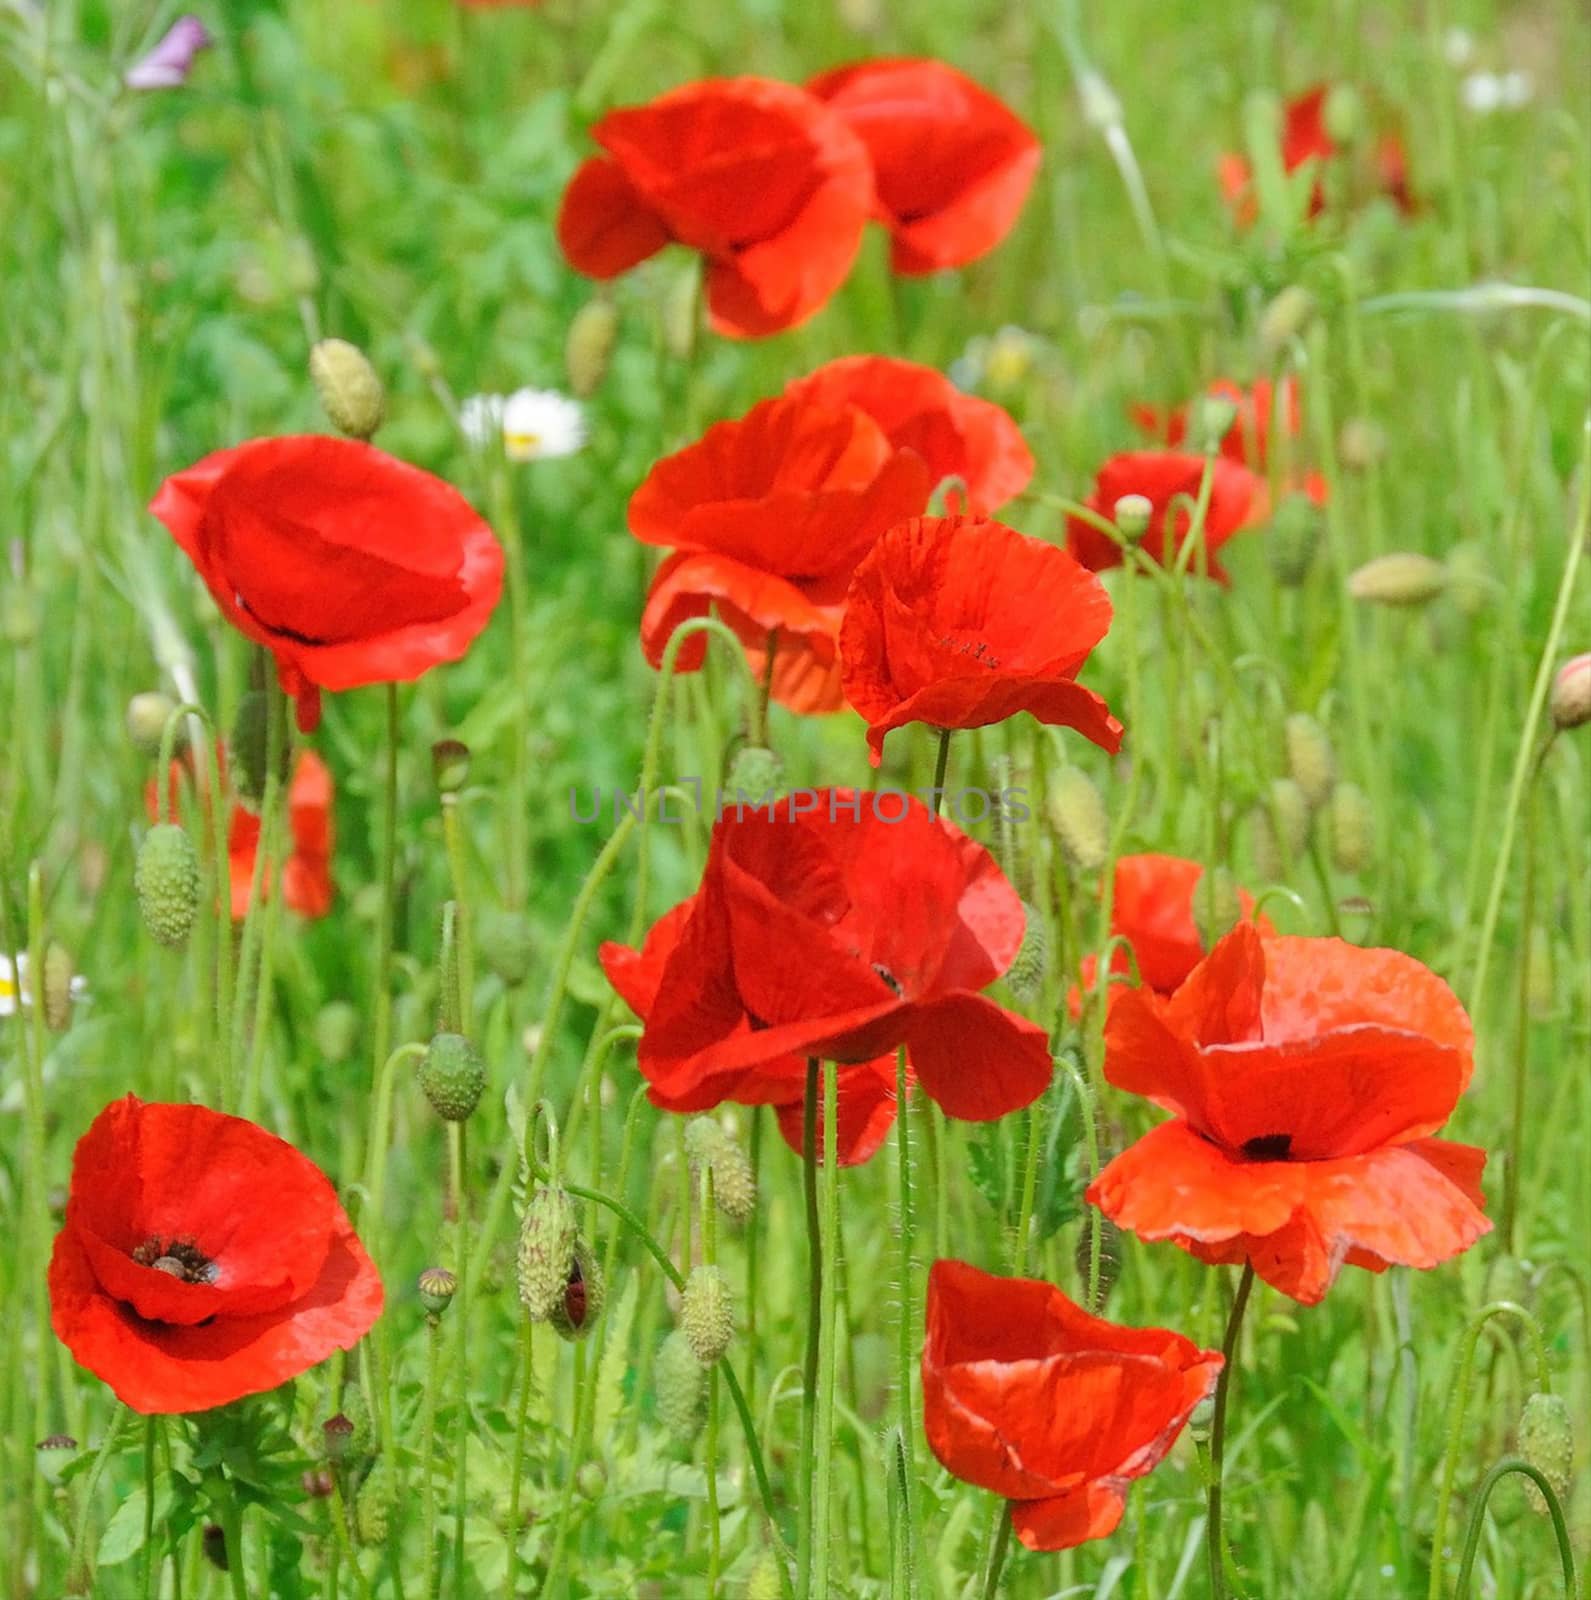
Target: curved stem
point(1477, 1518)
point(1213, 1533)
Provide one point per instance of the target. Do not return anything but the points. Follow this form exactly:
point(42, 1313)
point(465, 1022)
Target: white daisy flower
point(1484, 92)
point(535, 424)
point(15, 994)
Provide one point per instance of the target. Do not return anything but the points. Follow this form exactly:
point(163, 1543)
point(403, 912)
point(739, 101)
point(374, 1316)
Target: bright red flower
point(840, 924)
point(351, 567)
point(952, 163)
point(1304, 1077)
point(919, 408)
point(763, 179)
point(1026, 1394)
point(1237, 500)
point(202, 1259)
point(960, 622)
point(768, 517)
point(865, 1093)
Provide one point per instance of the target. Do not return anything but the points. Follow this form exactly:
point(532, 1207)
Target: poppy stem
point(906, 1347)
point(1213, 1534)
point(809, 1366)
point(759, 725)
point(456, 1155)
point(830, 1330)
point(433, 1347)
point(1477, 1519)
point(997, 1553)
point(941, 765)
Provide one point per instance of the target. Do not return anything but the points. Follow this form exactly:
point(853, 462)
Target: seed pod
point(336, 1030)
point(755, 772)
point(679, 1384)
point(1294, 538)
point(1131, 514)
point(1202, 1420)
point(54, 1455)
point(147, 715)
point(452, 1075)
point(337, 1437)
point(707, 1314)
point(1216, 906)
point(166, 879)
point(437, 1287)
point(1212, 419)
point(59, 987)
point(1311, 762)
point(1077, 814)
point(589, 345)
point(1285, 318)
point(1546, 1441)
point(507, 943)
point(373, 1506)
point(585, 1292)
point(350, 392)
point(1571, 693)
point(1026, 972)
point(1350, 827)
point(547, 1239)
point(734, 1188)
point(1402, 579)
point(1290, 810)
point(591, 1480)
point(450, 765)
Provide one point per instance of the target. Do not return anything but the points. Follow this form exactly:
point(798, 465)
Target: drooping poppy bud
point(547, 1239)
point(1077, 813)
point(1546, 1441)
point(350, 392)
point(1311, 762)
point(575, 1311)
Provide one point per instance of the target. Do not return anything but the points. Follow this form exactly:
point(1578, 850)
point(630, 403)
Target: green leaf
point(615, 1359)
point(123, 1537)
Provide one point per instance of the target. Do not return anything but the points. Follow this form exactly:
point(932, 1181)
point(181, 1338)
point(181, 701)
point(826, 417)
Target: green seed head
point(57, 988)
point(373, 1506)
point(589, 346)
point(1290, 811)
point(680, 1386)
point(762, 1582)
point(452, 1075)
point(1311, 762)
point(1285, 318)
point(707, 1314)
point(1110, 1254)
point(437, 1287)
point(166, 878)
point(1077, 814)
point(350, 392)
point(548, 1235)
point(1132, 514)
point(336, 1030)
point(1350, 826)
point(1546, 1441)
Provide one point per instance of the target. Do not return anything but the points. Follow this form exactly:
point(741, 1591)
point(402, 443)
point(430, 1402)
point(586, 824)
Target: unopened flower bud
point(1131, 514)
point(450, 765)
point(1404, 578)
point(708, 1146)
point(1290, 810)
point(1343, 114)
point(357, 1412)
point(755, 773)
point(373, 1506)
point(437, 1287)
point(452, 1075)
point(507, 943)
point(707, 1314)
point(166, 879)
point(547, 1238)
point(1570, 701)
point(679, 1383)
point(762, 1582)
point(1546, 1441)
point(337, 1437)
point(1213, 416)
point(1350, 827)
point(1294, 538)
point(1026, 972)
point(147, 714)
point(591, 1480)
point(336, 1031)
point(1077, 814)
point(1216, 906)
point(250, 741)
point(59, 988)
point(1202, 1420)
point(589, 345)
point(575, 1312)
point(1285, 318)
point(1361, 444)
point(1311, 762)
point(350, 392)
point(55, 1454)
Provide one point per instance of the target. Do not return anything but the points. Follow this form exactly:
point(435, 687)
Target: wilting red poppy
point(771, 186)
point(768, 517)
point(1304, 1077)
point(960, 622)
point(1237, 501)
point(919, 408)
point(1026, 1394)
point(202, 1259)
point(865, 1093)
point(952, 163)
point(1152, 909)
point(351, 567)
point(839, 924)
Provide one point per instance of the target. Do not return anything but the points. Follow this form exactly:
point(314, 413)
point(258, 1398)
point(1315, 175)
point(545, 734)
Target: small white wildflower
point(540, 423)
point(999, 361)
point(480, 417)
point(15, 993)
point(1458, 45)
point(1485, 92)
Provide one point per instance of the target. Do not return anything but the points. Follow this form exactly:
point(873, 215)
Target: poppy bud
point(1285, 318)
point(679, 1383)
point(356, 1411)
point(575, 1312)
point(1361, 444)
point(707, 1314)
point(547, 1239)
point(147, 714)
point(734, 1188)
point(337, 1437)
point(250, 740)
point(1343, 114)
point(591, 1480)
point(59, 987)
point(1350, 826)
point(1131, 515)
point(166, 879)
point(450, 765)
point(350, 392)
point(507, 942)
point(1546, 1441)
point(589, 345)
point(1571, 693)
point(681, 313)
point(1294, 538)
point(1470, 583)
point(1026, 972)
point(1402, 579)
point(336, 1030)
point(1216, 907)
point(452, 1075)
point(1109, 1259)
point(1077, 814)
point(1290, 810)
point(1311, 763)
point(373, 1506)
point(762, 1582)
point(755, 772)
point(437, 1287)
point(1213, 416)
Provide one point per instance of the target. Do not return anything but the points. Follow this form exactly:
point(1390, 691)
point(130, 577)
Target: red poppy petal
point(865, 1096)
point(604, 226)
point(1065, 1520)
point(970, 226)
point(975, 1059)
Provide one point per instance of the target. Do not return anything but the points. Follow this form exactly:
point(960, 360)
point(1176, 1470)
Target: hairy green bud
point(166, 879)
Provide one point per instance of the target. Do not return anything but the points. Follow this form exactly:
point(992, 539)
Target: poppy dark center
point(1268, 1147)
point(976, 651)
point(179, 1257)
point(888, 977)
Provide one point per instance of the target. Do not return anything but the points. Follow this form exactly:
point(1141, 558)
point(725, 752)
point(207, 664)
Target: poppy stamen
point(178, 1258)
point(889, 978)
point(1268, 1147)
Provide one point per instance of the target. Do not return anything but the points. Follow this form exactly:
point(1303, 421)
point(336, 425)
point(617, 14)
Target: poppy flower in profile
point(952, 163)
point(919, 408)
point(864, 1093)
point(349, 566)
point(1304, 1078)
point(202, 1259)
point(767, 517)
point(772, 187)
point(1026, 1394)
point(840, 924)
point(1170, 481)
point(960, 622)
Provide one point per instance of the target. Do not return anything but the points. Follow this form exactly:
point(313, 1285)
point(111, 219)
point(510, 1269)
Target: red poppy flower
point(919, 408)
point(865, 1093)
point(768, 517)
point(202, 1259)
point(952, 163)
point(960, 622)
point(770, 185)
point(349, 566)
point(840, 924)
point(1237, 501)
point(1026, 1394)
point(1152, 909)
point(1304, 1077)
